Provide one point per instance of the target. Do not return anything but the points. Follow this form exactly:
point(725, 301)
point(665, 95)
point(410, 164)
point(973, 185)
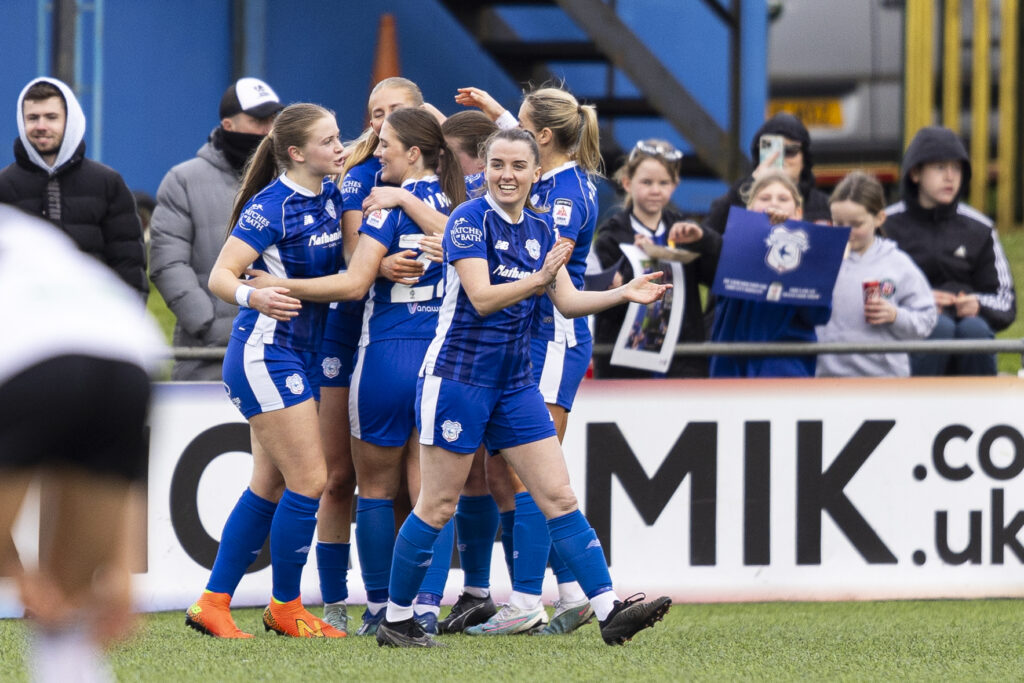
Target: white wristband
point(507, 120)
point(242, 295)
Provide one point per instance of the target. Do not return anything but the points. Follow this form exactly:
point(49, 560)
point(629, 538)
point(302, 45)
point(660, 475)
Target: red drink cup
point(872, 290)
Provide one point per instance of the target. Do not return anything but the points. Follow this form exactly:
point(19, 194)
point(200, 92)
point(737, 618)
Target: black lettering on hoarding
point(944, 469)
point(1005, 535)
point(972, 553)
point(985, 452)
point(819, 492)
point(200, 452)
point(694, 454)
point(757, 496)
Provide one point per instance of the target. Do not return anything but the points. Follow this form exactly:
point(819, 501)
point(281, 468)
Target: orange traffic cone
point(385, 61)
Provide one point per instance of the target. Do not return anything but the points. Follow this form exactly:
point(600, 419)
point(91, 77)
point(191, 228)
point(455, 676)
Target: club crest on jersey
point(464, 234)
point(561, 212)
point(377, 218)
point(451, 430)
point(329, 208)
point(295, 383)
point(785, 249)
point(533, 248)
point(331, 367)
point(535, 200)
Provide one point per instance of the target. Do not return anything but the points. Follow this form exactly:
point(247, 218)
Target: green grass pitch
point(909, 640)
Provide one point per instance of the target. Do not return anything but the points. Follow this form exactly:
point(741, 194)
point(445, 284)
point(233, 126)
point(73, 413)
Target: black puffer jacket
point(815, 201)
point(617, 230)
point(97, 210)
point(954, 245)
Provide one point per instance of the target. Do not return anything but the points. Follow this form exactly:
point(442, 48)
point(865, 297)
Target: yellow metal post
point(918, 89)
point(1009, 83)
point(980, 93)
point(951, 42)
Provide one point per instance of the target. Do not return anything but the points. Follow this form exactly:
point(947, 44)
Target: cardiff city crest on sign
point(785, 249)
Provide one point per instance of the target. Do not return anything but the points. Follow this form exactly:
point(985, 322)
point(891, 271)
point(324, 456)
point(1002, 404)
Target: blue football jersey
point(393, 310)
point(297, 235)
point(570, 200)
point(491, 351)
point(476, 185)
point(345, 318)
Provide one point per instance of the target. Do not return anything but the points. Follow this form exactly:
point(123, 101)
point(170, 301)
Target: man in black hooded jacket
point(51, 178)
point(956, 247)
point(798, 163)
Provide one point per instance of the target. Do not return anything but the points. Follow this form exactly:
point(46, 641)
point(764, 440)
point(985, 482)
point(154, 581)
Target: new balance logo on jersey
point(512, 273)
point(501, 245)
point(307, 220)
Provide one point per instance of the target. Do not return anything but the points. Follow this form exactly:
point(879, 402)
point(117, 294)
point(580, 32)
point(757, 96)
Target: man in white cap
point(191, 217)
point(51, 177)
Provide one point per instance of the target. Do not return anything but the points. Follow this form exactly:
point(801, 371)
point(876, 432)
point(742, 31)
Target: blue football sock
point(332, 565)
point(437, 575)
point(291, 534)
point(244, 534)
point(531, 546)
point(375, 542)
point(561, 570)
point(476, 523)
point(414, 550)
point(578, 546)
point(508, 522)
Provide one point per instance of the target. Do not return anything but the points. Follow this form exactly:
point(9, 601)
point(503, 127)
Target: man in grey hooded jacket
point(190, 223)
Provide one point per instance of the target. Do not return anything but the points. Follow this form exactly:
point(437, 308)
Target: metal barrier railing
point(957, 346)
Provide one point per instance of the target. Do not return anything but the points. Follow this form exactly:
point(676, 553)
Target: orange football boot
point(292, 619)
point(211, 614)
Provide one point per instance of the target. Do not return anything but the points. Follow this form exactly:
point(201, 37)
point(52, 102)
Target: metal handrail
point(956, 346)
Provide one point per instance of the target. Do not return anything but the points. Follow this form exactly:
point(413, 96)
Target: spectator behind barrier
point(188, 225)
point(957, 248)
point(739, 320)
point(879, 295)
point(52, 178)
point(649, 177)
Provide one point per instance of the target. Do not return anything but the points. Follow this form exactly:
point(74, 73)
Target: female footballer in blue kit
point(289, 227)
point(338, 352)
point(567, 136)
point(476, 387)
point(398, 324)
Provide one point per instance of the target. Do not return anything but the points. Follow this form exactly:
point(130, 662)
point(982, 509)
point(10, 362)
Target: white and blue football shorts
point(336, 362)
point(458, 416)
point(382, 399)
point(558, 369)
point(260, 378)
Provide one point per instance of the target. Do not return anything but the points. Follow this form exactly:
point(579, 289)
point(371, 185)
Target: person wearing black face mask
point(190, 221)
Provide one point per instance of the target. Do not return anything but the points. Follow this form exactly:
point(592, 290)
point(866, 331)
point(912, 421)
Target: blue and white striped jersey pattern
point(397, 311)
point(298, 235)
point(491, 351)
point(570, 200)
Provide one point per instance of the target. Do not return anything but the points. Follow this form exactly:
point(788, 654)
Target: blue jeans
point(939, 364)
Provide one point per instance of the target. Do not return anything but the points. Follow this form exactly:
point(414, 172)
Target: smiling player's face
point(511, 173)
point(393, 155)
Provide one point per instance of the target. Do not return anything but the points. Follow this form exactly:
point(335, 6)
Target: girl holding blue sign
point(742, 320)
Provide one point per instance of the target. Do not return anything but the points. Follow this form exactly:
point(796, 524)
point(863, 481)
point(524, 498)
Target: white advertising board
point(705, 490)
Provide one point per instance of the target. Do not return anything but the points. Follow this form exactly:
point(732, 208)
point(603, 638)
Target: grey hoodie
point(903, 284)
point(187, 231)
